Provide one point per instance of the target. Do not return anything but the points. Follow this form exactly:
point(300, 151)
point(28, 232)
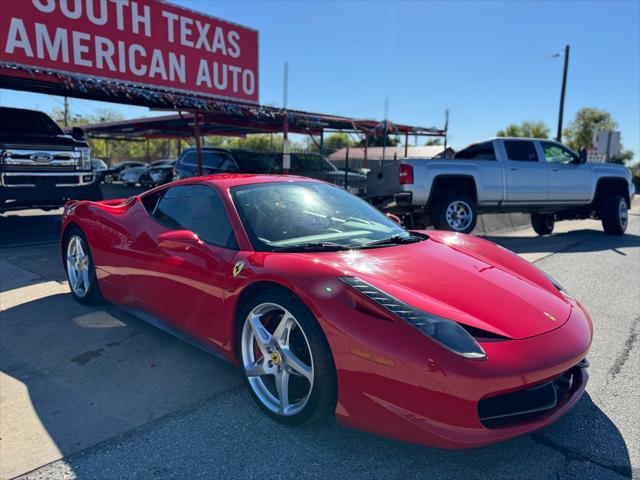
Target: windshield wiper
point(393, 240)
point(312, 247)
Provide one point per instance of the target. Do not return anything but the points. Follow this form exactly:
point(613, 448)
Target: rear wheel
point(455, 212)
point(80, 268)
point(614, 214)
point(542, 223)
point(286, 359)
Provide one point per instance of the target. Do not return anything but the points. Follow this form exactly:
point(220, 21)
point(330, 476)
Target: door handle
point(555, 169)
point(513, 169)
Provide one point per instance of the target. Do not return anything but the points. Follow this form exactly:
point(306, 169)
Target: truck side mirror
point(78, 134)
point(583, 155)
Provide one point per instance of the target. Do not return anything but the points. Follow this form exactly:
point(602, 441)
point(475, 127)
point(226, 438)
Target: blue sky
point(489, 63)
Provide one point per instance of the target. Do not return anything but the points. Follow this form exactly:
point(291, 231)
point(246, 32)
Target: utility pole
point(66, 111)
point(564, 87)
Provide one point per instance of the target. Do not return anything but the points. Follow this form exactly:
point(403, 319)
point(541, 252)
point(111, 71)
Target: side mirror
point(78, 134)
point(394, 218)
point(178, 240)
point(583, 155)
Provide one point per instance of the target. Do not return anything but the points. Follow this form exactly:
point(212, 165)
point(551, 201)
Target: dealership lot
point(95, 393)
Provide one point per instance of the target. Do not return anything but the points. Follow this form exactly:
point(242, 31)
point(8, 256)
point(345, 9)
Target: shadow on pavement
point(81, 375)
point(91, 374)
point(575, 240)
point(229, 437)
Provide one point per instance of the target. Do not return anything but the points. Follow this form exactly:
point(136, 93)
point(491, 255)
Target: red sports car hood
point(470, 281)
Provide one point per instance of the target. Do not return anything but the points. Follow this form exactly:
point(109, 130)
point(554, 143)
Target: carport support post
point(322, 141)
point(196, 133)
point(286, 156)
point(366, 149)
point(346, 169)
point(406, 144)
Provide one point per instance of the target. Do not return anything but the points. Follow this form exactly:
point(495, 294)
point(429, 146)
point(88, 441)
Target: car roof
point(229, 180)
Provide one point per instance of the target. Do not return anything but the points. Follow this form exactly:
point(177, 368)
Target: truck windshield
point(27, 122)
point(284, 215)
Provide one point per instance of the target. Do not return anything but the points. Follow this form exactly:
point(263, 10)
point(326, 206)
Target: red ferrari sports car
point(328, 306)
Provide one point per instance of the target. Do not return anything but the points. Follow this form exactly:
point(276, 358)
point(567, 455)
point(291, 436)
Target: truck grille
point(39, 160)
point(37, 180)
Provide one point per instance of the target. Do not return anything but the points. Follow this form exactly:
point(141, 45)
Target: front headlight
point(85, 158)
point(446, 332)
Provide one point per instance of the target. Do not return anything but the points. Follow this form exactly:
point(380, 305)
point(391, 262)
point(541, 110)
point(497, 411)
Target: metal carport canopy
point(204, 114)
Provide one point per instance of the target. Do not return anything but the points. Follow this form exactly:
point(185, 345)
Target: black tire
point(614, 214)
point(542, 223)
point(444, 220)
point(93, 295)
point(322, 400)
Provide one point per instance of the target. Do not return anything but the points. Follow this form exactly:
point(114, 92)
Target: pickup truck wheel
point(542, 223)
point(456, 213)
point(614, 214)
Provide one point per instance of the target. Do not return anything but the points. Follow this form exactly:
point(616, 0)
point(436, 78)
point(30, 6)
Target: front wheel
point(542, 223)
point(456, 213)
point(286, 359)
point(614, 214)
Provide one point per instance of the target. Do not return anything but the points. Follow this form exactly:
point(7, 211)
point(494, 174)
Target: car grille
point(526, 404)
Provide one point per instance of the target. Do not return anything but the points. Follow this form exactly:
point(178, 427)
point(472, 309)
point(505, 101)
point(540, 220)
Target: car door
point(185, 289)
point(569, 180)
point(525, 175)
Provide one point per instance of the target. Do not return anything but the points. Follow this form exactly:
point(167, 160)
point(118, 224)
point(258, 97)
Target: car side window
point(482, 151)
point(554, 153)
point(521, 150)
point(197, 208)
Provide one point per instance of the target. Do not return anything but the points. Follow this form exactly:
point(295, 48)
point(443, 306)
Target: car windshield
point(288, 215)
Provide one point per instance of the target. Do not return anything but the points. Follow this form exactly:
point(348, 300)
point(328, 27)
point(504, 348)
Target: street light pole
point(564, 87)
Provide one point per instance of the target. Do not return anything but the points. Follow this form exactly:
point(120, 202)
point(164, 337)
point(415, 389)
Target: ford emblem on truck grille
point(41, 157)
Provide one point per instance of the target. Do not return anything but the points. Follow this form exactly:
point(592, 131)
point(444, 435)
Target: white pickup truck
point(542, 177)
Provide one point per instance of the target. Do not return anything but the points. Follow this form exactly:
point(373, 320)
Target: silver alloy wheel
point(459, 215)
point(272, 343)
point(78, 266)
point(623, 214)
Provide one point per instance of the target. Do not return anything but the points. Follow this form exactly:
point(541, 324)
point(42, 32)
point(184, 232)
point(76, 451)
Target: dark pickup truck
point(40, 166)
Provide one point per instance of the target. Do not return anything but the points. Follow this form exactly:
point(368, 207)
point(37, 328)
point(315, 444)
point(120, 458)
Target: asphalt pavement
point(95, 393)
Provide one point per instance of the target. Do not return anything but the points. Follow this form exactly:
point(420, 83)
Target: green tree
point(580, 132)
point(525, 129)
point(433, 141)
point(337, 141)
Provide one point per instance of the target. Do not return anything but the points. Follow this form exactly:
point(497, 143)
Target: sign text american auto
point(148, 42)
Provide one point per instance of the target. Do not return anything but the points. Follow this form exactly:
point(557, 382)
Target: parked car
point(99, 169)
point(116, 169)
point(131, 176)
point(330, 308)
point(40, 166)
point(312, 165)
point(542, 177)
point(157, 173)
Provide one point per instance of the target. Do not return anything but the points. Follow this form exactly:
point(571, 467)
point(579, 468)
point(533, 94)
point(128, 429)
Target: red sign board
point(147, 42)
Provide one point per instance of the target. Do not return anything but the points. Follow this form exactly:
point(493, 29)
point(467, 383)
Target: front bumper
point(48, 195)
point(392, 382)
